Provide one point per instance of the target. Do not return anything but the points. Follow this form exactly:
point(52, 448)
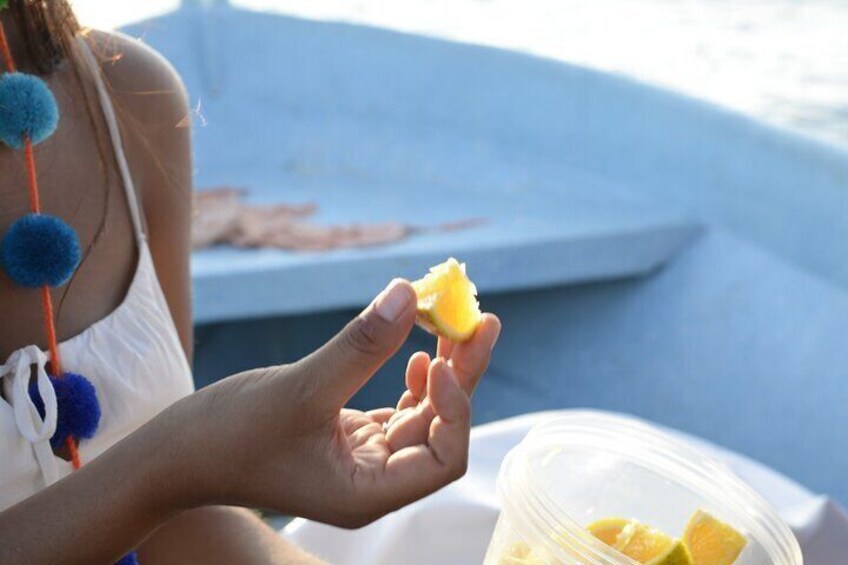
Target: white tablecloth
point(454, 525)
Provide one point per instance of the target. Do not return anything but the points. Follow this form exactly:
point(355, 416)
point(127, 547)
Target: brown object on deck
point(221, 217)
point(216, 215)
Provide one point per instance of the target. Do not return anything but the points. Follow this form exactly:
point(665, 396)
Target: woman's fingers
point(428, 437)
point(411, 423)
point(381, 415)
point(416, 384)
point(416, 373)
point(416, 380)
point(444, 347)
point(410, 426)
point(471, 358)
point(449, 401)
point(416, 471)
point(407, 400)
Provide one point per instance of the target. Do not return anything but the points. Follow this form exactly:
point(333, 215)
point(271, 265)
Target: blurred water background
point(784, 61)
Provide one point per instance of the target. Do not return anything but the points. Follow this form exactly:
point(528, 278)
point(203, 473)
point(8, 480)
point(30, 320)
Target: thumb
point(345, 363)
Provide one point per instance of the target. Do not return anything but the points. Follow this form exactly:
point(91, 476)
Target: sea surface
point(783, 61)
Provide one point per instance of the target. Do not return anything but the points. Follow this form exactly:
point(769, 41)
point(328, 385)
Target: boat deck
point(546, 229)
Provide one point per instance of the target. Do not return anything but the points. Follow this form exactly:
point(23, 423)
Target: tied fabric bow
point(16, 375)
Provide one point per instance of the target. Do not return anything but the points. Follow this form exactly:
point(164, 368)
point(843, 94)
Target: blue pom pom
point(40, 250)
point(129, 559)
point(27, 107)
point(78, 411)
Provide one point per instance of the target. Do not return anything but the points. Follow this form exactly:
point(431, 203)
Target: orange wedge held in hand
point(447, 302)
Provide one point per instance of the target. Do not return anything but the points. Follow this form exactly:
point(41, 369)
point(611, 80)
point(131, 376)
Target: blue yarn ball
point(129, 559)
point(40, 250)
point(78, 411)
point(27, 107)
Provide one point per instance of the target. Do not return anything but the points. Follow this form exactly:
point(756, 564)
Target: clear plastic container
point(576, 469)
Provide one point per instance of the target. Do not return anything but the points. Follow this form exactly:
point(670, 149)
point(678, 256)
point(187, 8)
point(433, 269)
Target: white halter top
point(133, 357)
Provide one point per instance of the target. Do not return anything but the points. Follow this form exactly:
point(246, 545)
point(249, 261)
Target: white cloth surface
point(454, 525)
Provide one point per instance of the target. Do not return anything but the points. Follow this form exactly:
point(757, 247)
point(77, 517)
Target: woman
point(167, 469)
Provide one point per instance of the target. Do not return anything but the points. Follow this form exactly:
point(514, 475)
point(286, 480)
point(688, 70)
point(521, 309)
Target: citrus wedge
point(447, 302)
point(644, 544)
point(711, 541)
point(608, 530)
point(677, 554)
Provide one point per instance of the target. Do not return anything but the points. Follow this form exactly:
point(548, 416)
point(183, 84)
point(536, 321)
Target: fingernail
point(391, 303)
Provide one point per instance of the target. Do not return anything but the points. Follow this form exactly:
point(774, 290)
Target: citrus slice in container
point(608, 530)
point(643, 543)
point(711, 541)
point(677, 554)
point(447, 302)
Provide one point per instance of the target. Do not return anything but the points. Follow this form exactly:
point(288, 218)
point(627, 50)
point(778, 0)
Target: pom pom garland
point(78, 411)
point(40, 250)
point(28, 115)
point(27, 110)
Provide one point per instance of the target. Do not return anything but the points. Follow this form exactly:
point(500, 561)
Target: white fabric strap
point(115, 135)
point(31, 426)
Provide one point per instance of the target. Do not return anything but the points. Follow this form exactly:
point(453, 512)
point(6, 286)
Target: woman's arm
point(98, 512)
point(275, 438)
point(95, 514)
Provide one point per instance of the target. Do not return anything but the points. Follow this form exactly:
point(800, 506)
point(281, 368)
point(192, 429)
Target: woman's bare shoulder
point(154, 117)
point(133, 68)
point(152, 108)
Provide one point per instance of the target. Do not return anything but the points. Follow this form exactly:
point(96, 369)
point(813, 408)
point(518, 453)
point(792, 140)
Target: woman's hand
point(276, 438)
point(280, 438)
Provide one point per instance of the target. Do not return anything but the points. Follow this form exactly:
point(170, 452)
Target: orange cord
point(4, 48)
point(56, 363)
point(46, 301)
point(72, 449)
point(50, 329)
point(34, 200)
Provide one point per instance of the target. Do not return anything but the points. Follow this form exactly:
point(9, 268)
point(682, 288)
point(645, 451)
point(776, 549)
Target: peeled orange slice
point(645, 543)
point(608, 530)
point(447, 302)
point(677, 554)
point(641, 542)
point(711, 541)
